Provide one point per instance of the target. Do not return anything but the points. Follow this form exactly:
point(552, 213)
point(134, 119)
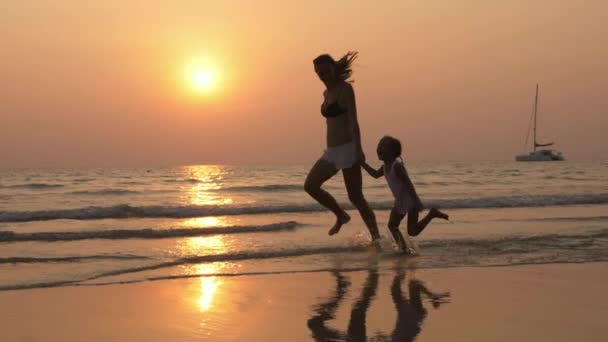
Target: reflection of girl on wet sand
point(410, 312)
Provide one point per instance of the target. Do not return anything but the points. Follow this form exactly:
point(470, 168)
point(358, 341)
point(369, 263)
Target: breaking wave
point(129, 211)
point(9, 236)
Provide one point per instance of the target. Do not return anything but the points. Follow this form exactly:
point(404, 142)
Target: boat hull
point(542, 155)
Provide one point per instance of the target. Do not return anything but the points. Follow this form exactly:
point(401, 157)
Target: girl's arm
point(374, 173)
point(351, 108)
point(437, 298)
point(402, 174)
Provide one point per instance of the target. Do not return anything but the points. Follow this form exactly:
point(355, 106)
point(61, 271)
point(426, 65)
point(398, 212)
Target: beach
point(229, 170)
point(523, 303)
point(215, 252)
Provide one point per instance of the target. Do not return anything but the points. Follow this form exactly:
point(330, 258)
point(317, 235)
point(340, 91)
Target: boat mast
point(535, 110)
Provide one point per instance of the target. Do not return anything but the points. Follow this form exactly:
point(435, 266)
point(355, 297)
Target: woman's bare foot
point(436, 213)
point(341, 220)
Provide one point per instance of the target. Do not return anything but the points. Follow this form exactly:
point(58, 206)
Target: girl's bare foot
point(341, 220)
point(436, 213)
point(375, 247)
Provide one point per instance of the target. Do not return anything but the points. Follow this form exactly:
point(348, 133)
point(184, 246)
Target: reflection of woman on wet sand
point(356, 325)
point(327, 311)
point(410, 312)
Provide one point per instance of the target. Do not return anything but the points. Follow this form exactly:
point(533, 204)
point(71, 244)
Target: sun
point(202, 76)
point(203, 80)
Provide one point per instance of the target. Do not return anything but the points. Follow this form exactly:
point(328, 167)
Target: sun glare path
point(208, 285)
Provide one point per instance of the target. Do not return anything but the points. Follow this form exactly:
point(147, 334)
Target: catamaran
point(540, 154)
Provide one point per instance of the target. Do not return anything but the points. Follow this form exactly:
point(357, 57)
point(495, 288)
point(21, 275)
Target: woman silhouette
point(344, 150)
point(327, 311)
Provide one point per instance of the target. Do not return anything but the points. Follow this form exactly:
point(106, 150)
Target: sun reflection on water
point(208, 221)
point(207, 291)
point(202, 245)
point(204, 192)
point(209, 178)
point(209, 286)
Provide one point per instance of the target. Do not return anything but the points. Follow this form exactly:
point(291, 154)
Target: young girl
point(407, 201)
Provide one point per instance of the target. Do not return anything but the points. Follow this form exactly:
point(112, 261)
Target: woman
point(344, 150)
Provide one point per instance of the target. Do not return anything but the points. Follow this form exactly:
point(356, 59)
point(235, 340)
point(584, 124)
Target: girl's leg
point(321, 172)
point(393, 225)
point(415, 227)
point(354, 185)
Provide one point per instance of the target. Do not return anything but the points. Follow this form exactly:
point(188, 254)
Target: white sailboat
point(539, 154)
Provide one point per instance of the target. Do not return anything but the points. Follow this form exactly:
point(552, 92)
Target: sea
point(99, 226)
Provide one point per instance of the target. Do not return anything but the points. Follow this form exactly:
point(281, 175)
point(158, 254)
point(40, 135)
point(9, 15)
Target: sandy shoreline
point(559, 302)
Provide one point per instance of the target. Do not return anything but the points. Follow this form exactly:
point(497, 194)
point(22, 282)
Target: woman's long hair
point(342, 66)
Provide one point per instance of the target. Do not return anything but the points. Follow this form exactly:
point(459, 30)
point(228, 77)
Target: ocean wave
point(32, 260)
point(578, 179)
point(105, 192)
point(83, 180)
point(128, 211)
point(185, 180)
point(237, 256)
point(544, 219)
point(236, 274)
point(9, 236)
point(131, 183)
point(191, 260)
point(482, 248)
point(34, 186)
point(486, 252)
point(262, 188)
point(243, 188)
point(510, 244)
point(574, 218)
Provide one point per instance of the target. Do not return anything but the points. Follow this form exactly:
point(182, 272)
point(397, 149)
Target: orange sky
point(101, 84)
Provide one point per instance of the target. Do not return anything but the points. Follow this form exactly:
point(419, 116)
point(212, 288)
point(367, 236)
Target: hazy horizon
point(102, 84)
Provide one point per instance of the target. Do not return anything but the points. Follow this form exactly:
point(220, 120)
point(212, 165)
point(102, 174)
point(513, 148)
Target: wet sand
point(559, 302)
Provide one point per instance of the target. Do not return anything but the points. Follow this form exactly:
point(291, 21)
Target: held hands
point(361, 156)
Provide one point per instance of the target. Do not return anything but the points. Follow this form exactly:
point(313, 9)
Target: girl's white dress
point(403, 201)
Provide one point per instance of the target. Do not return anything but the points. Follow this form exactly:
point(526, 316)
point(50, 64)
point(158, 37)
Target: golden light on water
point(203, 244)
point(208, 221)
point(209, 178)
point(200, 195)
point(207, 292)
point(208, 287)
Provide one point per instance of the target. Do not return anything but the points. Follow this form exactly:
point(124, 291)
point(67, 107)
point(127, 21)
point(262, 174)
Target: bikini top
point(333, 109)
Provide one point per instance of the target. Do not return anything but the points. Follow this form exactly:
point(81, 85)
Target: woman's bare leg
point(319, 174)
point(415, 227)
point(354, 187)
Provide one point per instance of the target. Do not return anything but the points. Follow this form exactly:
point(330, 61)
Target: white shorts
point(342, 156)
